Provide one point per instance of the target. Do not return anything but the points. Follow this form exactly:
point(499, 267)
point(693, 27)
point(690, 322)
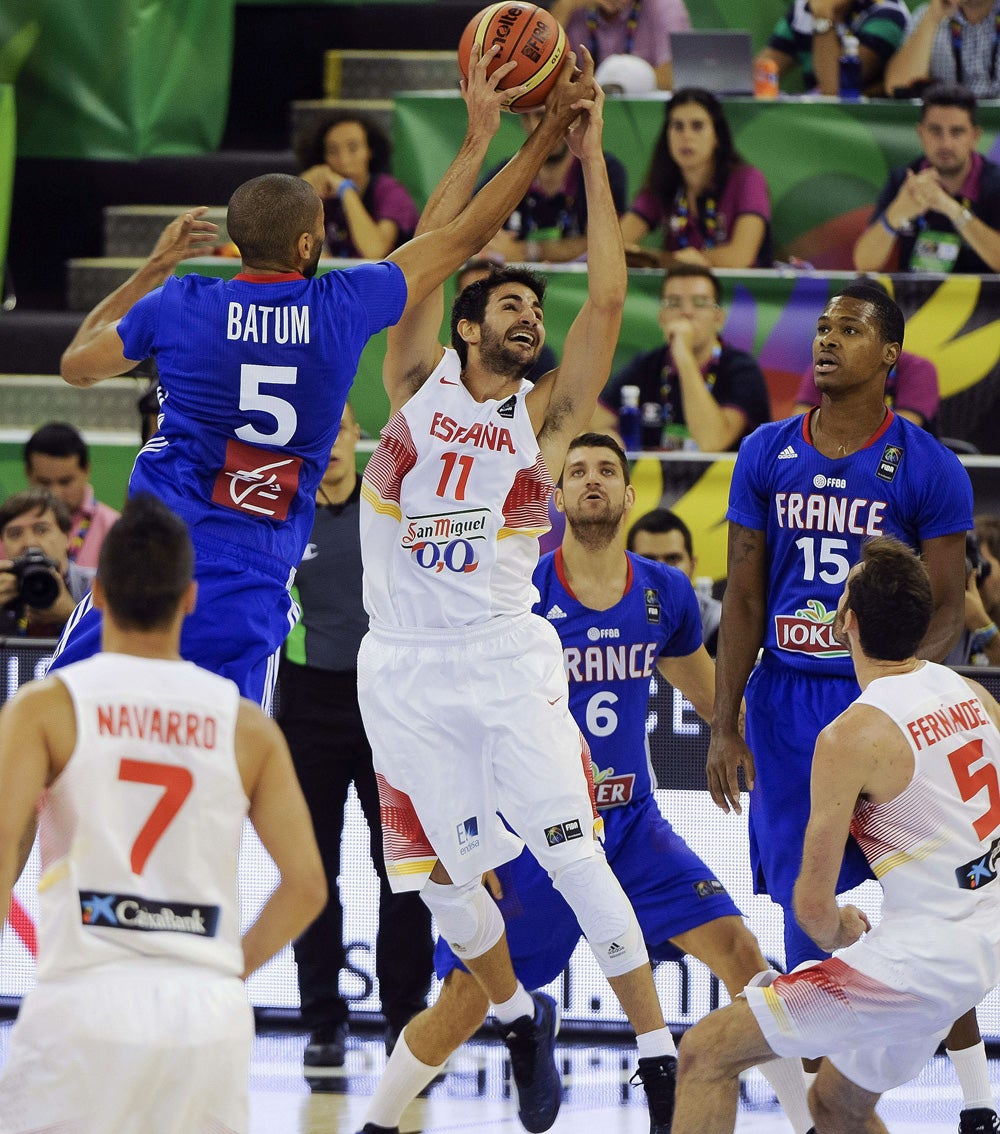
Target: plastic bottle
point(629, 423)
point(850, 69)
point(765, 79)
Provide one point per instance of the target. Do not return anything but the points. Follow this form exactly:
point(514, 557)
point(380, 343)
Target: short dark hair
point(891, 597)
point(35, 500)
point(311, 150)
point(268, 214)
point(950, 94)
point(57, 439)
point(889, 319)
point(471, 302)
point(476, 264)
point(694, 271)
point(145, 565)
point(659, 522)
point(598, 441)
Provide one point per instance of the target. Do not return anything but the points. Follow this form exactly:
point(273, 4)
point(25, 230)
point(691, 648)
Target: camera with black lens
point(975, 564)
point(37, 586)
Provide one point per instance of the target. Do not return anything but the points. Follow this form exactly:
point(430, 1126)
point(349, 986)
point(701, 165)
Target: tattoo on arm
point(746, 543)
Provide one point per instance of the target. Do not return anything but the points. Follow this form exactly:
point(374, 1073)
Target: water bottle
point(850, 69)
point(765, 79)
point(629, 423)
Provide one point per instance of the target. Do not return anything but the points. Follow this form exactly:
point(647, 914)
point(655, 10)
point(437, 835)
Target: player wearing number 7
point(806, 493)
point(143, 768)
point(254, 373)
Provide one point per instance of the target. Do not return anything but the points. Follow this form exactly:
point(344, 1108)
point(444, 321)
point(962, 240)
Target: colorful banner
point(825, 162)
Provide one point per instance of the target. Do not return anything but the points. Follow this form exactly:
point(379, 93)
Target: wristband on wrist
point(964, 218)
point(982, 637)
point(346, 184)
point(883, 220)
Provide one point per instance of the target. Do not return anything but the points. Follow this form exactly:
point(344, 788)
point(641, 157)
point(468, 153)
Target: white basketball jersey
point(452, 504)
point(937, 844)
point(141, 830)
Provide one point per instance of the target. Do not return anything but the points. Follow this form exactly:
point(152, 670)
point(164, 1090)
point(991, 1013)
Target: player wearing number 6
point(254, 373)
point(144, 768)
point(806, 493)
point(912, 770)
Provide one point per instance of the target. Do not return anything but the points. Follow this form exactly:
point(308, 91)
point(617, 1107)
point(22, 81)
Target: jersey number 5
point(971, 783)
point(177, 783)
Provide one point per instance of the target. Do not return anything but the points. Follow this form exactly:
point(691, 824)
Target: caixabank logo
point(129, 911)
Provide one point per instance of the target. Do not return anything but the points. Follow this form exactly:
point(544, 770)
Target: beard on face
point(597, 529)
point(497, 356)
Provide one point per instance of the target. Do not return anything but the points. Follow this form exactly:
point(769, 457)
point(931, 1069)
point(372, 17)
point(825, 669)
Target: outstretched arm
point(944, 558)
point(428, 260)
point(912, 61)
point(96, 349)
point(413, 347)
point(563, 402)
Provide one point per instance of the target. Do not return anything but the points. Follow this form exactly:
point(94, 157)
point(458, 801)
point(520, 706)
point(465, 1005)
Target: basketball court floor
point(475, 1094)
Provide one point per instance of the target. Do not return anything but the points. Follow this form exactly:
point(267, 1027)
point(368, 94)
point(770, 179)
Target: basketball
point(529, 36)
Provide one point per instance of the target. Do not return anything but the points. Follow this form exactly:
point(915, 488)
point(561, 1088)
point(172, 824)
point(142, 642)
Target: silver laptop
point(718, 61)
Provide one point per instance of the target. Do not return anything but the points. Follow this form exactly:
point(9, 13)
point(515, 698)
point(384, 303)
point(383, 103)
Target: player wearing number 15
point(144, 768)
point(254, 374)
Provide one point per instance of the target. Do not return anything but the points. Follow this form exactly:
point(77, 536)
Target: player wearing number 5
point(806, 493)
point(254, 374)
point(144, 768)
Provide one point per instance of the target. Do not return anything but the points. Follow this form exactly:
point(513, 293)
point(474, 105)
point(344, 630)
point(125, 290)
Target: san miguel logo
point(808, 631)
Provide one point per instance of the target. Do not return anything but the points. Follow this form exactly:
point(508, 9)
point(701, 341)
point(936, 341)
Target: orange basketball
point(528, 35)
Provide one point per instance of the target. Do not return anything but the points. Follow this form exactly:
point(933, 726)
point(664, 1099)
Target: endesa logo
point(447, 542)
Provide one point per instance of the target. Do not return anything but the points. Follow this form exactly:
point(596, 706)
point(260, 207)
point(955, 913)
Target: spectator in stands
point(625, 27)
point(980, 640)
point(36, 519)
point(550, 223)
point(695, 391)
point(479, 269)
point(367, 212)
point(911, 390)
point(808, 36)
point(951, 41)
point(941, 213)
point(663, 536)
point(56, 458)
point(712, 206)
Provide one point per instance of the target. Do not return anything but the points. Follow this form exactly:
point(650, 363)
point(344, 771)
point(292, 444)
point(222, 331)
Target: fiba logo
point(821, 481)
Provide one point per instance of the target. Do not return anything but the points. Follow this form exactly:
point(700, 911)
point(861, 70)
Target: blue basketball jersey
point(817, 511)
point(254, 378)
point(610, 656)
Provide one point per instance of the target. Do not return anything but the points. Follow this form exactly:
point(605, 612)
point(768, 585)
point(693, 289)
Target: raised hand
point(483, 98)
point(185, 236)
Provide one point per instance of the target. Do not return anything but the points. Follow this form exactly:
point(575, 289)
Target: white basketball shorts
point(465, 725)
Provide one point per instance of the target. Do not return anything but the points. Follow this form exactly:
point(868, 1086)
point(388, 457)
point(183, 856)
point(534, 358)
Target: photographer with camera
point(39, 587)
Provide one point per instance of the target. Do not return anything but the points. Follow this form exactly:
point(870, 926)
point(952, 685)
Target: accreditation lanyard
point(669, 381)
point(630, 25)
point(955, 28)
point(681, 222)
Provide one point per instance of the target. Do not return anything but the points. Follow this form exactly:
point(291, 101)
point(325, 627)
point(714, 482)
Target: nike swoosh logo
point(448, 382)
point(555, 702)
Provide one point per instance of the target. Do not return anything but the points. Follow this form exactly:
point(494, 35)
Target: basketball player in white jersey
point(143, 768)
point(462, 687)
point(912, 770)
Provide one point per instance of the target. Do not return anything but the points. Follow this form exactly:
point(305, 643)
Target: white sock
point(520, 1004)
point(973, 1076)
point(654, 1044)
point(403, 1079)
point(788, 1081)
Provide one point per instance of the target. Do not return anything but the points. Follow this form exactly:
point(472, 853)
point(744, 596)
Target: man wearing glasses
point(695, 392)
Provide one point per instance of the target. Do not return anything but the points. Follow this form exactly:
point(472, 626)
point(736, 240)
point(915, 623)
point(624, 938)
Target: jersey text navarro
point(191, 730)
point(818, 512)
point(483, 435)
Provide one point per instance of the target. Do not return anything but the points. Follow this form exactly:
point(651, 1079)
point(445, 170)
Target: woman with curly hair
point(713, 207)
point(367, 212)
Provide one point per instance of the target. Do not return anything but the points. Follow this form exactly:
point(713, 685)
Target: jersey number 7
point(177, 783)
